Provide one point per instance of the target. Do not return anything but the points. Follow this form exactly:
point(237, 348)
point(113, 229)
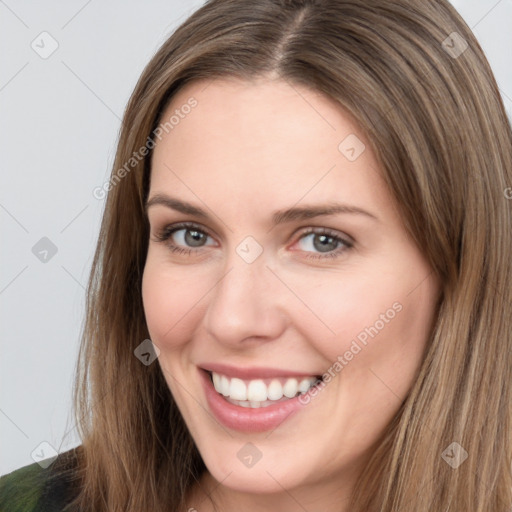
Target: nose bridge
point(246, 272)
point(244, 302)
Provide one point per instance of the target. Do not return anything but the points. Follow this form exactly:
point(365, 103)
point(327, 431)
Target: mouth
point(260, 392)
point(257, 404)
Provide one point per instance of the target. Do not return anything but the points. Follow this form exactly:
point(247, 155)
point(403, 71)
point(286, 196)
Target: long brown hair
point(415, 78)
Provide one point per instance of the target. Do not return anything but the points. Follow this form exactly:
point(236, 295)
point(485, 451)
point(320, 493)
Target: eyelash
point(165, 234)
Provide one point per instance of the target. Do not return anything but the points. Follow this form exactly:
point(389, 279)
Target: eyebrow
point(278, 217)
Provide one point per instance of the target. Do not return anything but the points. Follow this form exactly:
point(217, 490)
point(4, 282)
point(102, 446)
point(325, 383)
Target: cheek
point(370, 321)
point(344, 308)
point(171, 302)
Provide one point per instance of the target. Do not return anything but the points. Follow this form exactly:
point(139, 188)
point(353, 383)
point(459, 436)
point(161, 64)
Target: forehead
point(264, 144)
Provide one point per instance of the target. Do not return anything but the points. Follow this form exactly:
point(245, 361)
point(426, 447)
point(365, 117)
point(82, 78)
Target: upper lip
point(253, 372)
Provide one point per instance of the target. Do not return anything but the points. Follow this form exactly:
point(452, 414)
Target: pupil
point(193, 238)
point(324, 247)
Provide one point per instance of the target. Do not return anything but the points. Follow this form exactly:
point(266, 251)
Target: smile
point(254, 404)
point(260, 392)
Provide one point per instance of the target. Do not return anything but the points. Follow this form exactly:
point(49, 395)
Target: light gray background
point(60, 121)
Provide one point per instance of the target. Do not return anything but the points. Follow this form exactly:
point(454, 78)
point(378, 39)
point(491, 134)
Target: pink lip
point(244, 418)
point(251, 373)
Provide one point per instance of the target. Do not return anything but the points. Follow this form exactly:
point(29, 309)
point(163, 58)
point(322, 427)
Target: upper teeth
point(258, 390)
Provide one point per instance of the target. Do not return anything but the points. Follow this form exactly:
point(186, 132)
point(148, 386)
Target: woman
point(301, 291)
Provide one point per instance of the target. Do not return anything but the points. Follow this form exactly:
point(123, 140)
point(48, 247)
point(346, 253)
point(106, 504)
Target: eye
point(187, 238)
point(327, 242)
point(183, 234)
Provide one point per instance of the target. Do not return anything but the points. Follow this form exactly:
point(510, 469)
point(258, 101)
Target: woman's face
point(263, 286)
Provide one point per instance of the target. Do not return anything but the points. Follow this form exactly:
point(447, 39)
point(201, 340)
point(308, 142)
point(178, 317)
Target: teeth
point(251, 404)
point(237, 390)
point(255, 393)
point(224, 383)
point(275, 390)
point(292, 386)
point(304, 385)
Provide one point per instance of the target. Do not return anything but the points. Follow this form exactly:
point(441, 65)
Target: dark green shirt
point(34, 489)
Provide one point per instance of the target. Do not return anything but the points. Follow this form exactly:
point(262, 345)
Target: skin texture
point(245, 151)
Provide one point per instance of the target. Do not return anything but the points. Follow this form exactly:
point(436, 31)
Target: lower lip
point(247, 419)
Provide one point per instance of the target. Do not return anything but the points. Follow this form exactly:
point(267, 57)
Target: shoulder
point(35, 489)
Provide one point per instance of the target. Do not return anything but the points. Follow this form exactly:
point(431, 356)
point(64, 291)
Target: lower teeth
point(254, 405)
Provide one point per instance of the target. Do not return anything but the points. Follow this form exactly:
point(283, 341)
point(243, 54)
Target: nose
point(246, 304)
